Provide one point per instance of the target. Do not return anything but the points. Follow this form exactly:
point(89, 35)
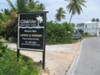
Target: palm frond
point(11, 4)
point(60, 14)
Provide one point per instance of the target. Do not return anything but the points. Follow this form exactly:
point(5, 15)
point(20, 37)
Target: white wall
point(92, 28)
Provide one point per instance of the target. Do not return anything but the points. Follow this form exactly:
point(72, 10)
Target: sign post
point(31, 33)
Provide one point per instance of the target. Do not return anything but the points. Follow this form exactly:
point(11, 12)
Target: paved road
point(89, 59)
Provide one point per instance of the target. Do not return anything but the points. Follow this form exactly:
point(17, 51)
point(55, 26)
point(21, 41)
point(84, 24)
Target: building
point(92, 28)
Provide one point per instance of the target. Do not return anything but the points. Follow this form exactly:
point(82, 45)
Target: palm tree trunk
point(70, 18)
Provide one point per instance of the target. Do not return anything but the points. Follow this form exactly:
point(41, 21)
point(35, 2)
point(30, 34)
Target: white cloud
point(52, 6)
point(5, 5)
point(92, 10)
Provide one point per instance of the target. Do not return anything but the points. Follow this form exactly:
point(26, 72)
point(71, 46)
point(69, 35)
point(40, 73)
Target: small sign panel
point(31, 31)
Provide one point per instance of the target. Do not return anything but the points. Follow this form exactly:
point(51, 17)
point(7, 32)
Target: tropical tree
point(26, 5)
point(95, 20)
point(12, 14)
point(1, 23)
point(75, 6)
point(60, 14)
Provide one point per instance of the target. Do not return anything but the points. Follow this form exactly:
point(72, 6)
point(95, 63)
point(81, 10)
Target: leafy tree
point(93, 20)
point(97, 20)
point(59, 33)
point(21, 6)
point(75, 6)
point(3, 19)
point(60, 14)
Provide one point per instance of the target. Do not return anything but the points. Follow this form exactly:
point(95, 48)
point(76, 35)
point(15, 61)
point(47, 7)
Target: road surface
point(88, 62)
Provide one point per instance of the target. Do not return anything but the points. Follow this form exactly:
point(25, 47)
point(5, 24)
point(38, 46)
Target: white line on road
point(75, 61)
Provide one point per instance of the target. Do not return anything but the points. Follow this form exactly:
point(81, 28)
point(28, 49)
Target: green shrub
point(55, 33)
point(59, 33)
point(2, 30)
point(9, 65)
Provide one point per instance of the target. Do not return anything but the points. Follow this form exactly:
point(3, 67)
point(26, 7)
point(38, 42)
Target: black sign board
point(31, 31)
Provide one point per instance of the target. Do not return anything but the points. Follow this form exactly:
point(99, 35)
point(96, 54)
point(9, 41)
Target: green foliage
point(95, 20)
point(3, 18)
point(9, 65)
point(75, 7)
point(86, 35)
point(2, 48)
point(60, 14)
point(59, 33)
point(2, 30)
point(8, 18)
point(10, 3)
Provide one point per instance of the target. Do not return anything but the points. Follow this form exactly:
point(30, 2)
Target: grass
point(10, 66)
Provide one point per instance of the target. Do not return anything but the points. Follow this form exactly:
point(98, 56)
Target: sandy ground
point(58, 57)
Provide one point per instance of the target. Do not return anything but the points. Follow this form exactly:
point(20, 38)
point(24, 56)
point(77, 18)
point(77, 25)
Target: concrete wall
point(93, 28)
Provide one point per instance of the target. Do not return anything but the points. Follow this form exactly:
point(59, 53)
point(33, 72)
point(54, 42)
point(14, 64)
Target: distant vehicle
point(77, 35)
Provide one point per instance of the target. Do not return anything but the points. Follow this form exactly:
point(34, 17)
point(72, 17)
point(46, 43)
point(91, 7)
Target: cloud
point(5, 5)
point(52, 6)
point(91, 10)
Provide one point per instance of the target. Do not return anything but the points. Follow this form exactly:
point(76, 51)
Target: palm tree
point(97, 20)
point(26, 6)
point(60, 14)
point(20, 7)
point(93, 20)
point(75, 6)
point(33, 5)
point(11, 4)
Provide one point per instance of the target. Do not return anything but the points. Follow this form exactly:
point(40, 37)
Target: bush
point(2, 31)
point(55, 33)
point(11, 31)
point(58, 33)
point(9, 65)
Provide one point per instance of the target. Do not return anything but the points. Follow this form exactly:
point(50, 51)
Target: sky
point(92, 9)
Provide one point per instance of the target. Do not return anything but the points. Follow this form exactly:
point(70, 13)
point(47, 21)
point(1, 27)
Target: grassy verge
point(9, 65)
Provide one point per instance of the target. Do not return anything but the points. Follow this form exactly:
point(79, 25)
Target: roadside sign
point(31, 31)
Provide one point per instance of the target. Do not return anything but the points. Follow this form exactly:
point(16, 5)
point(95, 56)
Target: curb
point(72, 67)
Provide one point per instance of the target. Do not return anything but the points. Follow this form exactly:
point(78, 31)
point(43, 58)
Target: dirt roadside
point(58, 57)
